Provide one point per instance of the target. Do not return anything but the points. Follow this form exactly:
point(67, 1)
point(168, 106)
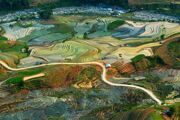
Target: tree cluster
point(18, 4)
point(14, 4)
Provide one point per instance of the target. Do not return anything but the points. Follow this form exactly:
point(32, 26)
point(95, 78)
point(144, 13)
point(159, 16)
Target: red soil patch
point(163, 52)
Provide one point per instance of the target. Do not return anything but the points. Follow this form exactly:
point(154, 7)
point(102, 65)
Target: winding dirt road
point(103, 76)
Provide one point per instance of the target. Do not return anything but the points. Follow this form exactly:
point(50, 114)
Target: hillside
point(36, 2)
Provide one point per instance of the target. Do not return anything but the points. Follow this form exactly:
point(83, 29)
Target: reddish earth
point(146, 113)
point(63, 76)
point(2, 70)
point(111, 73)
point(24, 91)
point(163, 52)
point(122, 68)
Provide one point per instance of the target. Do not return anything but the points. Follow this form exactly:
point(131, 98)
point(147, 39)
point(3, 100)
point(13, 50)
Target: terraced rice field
point(65, 35)
point(70, 50)
point(49, 38)
point(15, 32)
point(146, 30)
point(127, 31)
point(129, 52)
point(157, 28)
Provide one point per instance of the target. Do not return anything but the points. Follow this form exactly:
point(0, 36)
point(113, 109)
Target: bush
point(164, 89)
point(162, 36)
point(3, 38)
point(174, 48)
point(115, 24)
point(45, 14)
point(156, 60)
point(152, 78)
point(15, 80)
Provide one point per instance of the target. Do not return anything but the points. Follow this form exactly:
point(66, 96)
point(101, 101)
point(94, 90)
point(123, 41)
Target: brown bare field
point(163, 52)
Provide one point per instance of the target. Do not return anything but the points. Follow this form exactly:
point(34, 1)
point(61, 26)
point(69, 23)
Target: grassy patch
point(2, 39)
point(11, 52)
point(62, 28)
point(113, 25)
point(12, 49)
point(89, 73)
point(24, 24)
point(137, 58)
point(156, 116)
point(15, 80)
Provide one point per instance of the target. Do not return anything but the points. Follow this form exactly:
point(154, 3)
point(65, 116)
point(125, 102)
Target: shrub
point(3, 38)
point(45, 14)
point(156, 60)
point(162, 36)
point(174, 48)
point(152, 78)
point(15, 80)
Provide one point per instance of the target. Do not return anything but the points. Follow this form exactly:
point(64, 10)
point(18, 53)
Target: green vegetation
point(23, 24)
point(154, 61)
point(45, 14)
point(62, 28)
point(15, 80)
point(115, 24)
point(146, 62)
point(174, 49)
point(152, 78)
point(156, 116)
point(175, 109)
point(162, 6)
point(162, 36)
point(13, 4)
point(33, 84)
point(31, 72)
point(2, 39)
point(11, 51)
point(89, 73)
point(36, 34)
point(163, 89)
point(138, 58)
point(2, 31)
point(14, 49)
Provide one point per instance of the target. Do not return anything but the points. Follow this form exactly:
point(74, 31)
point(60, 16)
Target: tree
point(13, 4)
point(45, 14)
point(85, 36)
point(162, 36)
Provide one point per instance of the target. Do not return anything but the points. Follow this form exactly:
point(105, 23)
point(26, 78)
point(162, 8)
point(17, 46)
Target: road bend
point(103, 75)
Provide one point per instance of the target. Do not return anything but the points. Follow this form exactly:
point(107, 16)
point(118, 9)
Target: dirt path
point(33, 76)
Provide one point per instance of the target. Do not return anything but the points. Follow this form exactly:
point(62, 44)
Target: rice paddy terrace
point(71, 37)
